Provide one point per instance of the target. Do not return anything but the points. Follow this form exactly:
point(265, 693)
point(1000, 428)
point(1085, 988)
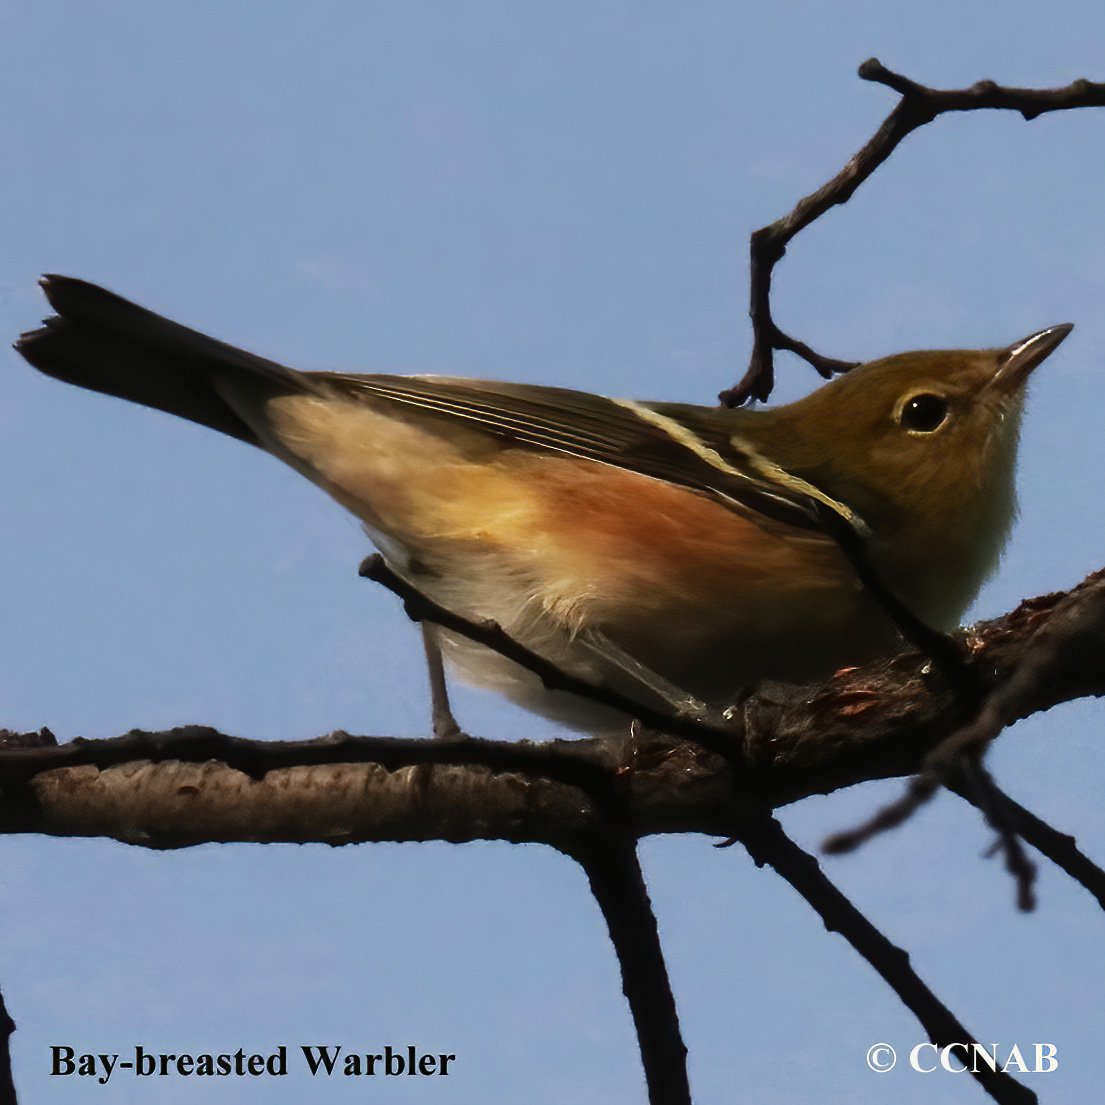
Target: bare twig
point(614, 871)
point(918, 791)
point(944, 650)
point(990, 800)
point(1067, 647)
point(1058, 847)
point(972, 781)
point(918, 105)
point(767, 843)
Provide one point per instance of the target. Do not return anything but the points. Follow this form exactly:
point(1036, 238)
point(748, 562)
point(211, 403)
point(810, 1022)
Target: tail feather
point(99, 340)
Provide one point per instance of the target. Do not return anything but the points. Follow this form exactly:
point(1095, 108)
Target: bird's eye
point(924, 413)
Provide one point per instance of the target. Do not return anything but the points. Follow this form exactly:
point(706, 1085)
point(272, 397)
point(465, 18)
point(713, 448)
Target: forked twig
point(918, 105)
point(1066, 649)
point(1058, 847)
point(989, 799)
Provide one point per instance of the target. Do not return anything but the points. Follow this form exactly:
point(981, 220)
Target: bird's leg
point(444, 724)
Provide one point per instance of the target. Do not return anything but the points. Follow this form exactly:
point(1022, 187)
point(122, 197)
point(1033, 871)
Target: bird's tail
point(101, 341)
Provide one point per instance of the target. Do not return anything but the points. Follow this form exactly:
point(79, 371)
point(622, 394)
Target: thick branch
point(878, 721)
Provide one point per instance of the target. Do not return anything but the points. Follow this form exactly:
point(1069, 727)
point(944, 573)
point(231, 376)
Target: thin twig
point(718, 736)
point(918, 105)
point(1065, 649)
point(945, 651)
point(918, 791)
point(767, 843)
point(990, 800)
point(1058, 847)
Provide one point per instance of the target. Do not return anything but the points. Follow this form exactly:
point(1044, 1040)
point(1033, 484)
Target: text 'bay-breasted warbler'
point(660, 549)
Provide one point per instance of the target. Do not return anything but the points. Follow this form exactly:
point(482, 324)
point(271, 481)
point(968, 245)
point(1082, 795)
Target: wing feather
point(693, 447)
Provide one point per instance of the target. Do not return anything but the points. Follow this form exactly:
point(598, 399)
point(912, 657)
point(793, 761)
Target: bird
point(678, 555)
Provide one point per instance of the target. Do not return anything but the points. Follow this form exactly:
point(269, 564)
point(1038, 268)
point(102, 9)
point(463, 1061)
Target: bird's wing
point(693, 447)
point(101, 341)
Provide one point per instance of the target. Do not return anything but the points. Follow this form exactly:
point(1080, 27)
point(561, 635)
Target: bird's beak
point(1022, 357)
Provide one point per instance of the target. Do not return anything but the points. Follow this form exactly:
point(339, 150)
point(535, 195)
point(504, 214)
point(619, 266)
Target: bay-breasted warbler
point(673, 552)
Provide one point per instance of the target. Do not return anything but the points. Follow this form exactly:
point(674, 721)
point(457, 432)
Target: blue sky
point(550, 193)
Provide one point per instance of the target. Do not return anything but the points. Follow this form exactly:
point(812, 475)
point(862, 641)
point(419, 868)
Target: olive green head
point(910, 435)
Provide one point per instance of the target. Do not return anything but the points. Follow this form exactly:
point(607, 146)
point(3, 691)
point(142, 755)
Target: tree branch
point(878, 721)
point(1065, 649)
point(1058, 847)
point(918, 105)
point(614, 871)
point(768, 844)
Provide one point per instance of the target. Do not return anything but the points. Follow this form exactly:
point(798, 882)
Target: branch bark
point(614, 871)
point(883, 720)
